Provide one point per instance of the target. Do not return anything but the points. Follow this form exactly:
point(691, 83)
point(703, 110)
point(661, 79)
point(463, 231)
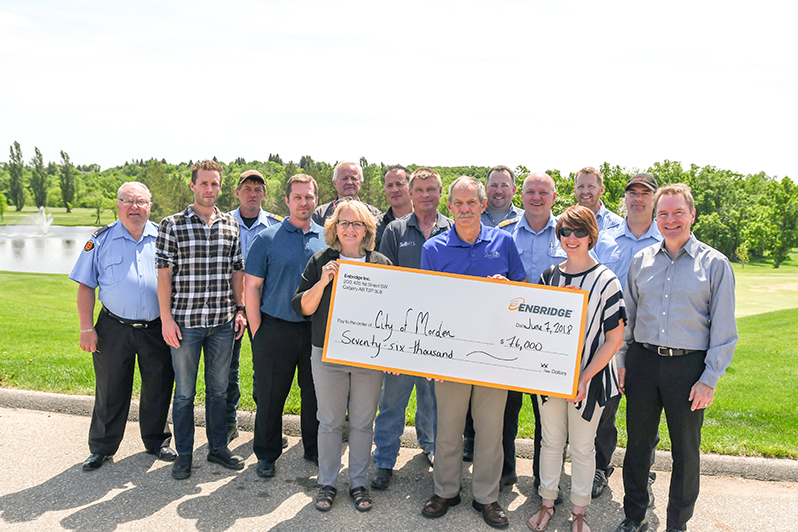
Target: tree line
point(746, 217)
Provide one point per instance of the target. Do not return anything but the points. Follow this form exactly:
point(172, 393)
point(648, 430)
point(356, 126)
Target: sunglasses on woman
point(565, 232)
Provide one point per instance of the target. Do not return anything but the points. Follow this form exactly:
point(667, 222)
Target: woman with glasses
point(349, 233)
point(575, 420)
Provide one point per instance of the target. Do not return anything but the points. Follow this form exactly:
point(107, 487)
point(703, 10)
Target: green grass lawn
point(755, 411)
point(85, 217)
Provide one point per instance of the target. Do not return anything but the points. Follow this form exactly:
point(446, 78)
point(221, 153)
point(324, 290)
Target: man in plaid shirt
point(201, 295)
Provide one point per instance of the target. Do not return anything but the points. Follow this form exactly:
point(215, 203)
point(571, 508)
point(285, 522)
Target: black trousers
point(114, 364)
point(279, 348)
point(607, 436)
point(512, 410)
point(655, 383)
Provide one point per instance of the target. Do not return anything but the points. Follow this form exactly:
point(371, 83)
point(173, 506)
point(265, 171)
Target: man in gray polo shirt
point(402, 243)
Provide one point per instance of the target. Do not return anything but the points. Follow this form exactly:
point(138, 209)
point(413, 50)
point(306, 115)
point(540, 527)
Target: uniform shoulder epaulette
point(101, 230)
point(90, 244)
point(505, 223)
point(277, 217)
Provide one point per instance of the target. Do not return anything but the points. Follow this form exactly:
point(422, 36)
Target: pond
point(25, 248)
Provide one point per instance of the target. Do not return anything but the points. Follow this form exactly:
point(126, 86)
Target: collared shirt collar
point(690, 247)
point(653, 231)
point(120, 231)
point(456, 241)
point(314, 227)
point(440, 220)
point(525, 224)
point(189, 212)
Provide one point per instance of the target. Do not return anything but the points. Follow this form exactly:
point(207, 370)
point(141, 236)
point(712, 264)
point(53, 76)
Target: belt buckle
point(139, 325)
point(664, 351)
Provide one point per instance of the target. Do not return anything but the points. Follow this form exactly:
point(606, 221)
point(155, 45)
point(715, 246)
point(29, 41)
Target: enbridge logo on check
point(519, 304)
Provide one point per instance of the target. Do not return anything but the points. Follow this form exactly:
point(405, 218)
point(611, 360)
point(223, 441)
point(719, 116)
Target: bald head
point(538, 195)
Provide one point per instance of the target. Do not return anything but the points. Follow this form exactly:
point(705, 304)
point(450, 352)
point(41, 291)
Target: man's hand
point(171, 332)
point(701, 396)
point(240, 323)
point(88, 341)
point(622, 380)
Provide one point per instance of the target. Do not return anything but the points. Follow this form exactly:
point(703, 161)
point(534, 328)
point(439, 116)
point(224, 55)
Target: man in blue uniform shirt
point(252, 219)
point(280, 338)
point(470, 248)
point(615, 249)
point(500, 188)
point(588, 188)
point(120, 260)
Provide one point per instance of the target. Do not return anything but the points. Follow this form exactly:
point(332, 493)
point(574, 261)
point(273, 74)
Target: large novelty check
point(495, 333)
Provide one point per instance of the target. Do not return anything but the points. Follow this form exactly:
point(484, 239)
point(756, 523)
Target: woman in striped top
point(575, 420)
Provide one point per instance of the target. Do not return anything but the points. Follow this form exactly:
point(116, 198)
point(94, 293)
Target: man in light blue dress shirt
point(252, 219)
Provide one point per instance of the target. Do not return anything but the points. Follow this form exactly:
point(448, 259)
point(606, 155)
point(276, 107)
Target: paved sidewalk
point(42, 487)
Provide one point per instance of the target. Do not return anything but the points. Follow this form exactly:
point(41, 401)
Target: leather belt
point(668, 351)
point(138, 324)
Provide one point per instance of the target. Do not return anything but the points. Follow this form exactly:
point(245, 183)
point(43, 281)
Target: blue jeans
point(390, 422)
point(217, 343)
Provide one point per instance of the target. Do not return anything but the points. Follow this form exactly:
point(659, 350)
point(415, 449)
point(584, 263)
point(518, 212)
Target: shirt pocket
point(111, 269)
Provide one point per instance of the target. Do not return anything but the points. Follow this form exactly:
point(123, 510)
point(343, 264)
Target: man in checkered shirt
point(201, 295)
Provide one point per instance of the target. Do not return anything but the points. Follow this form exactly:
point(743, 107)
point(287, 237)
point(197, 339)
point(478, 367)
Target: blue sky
point(544, 84)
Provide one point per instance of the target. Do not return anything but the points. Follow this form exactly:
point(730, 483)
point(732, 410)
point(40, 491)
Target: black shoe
point(508, 480)
point(438, 506)
point(312, 459)
point(492, 514)
point(95, 461)
point(232, 432)
point(627, 525)
point(468, 450)
point(285, 442)
point(599, 483)
point(225, 458)
point(165, 453)
point(265, 469)
point(181, 469)
point(674, 530)
point(381, 478)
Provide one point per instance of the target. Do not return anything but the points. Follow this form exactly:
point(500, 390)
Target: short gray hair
point(347, 163)
point(469, 181)
point(129, 184)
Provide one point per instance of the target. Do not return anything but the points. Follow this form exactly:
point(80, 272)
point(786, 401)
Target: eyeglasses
point(565, 232)
point(345, 224)
point(137, 203)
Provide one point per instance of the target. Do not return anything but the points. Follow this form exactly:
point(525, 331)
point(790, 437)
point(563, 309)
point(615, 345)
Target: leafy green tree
point(67, 181)
point(16, 167)
point(3, 206)
point(38, 179)
point(784, 218)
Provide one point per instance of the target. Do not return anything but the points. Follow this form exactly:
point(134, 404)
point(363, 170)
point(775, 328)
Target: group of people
point(659, 328)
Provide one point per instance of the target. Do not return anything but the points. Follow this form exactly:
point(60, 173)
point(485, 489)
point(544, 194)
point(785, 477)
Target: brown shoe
point(492, 514)
point(438, 506)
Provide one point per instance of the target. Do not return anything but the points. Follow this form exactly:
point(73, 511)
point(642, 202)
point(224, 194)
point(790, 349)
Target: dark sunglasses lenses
point(566, 232)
